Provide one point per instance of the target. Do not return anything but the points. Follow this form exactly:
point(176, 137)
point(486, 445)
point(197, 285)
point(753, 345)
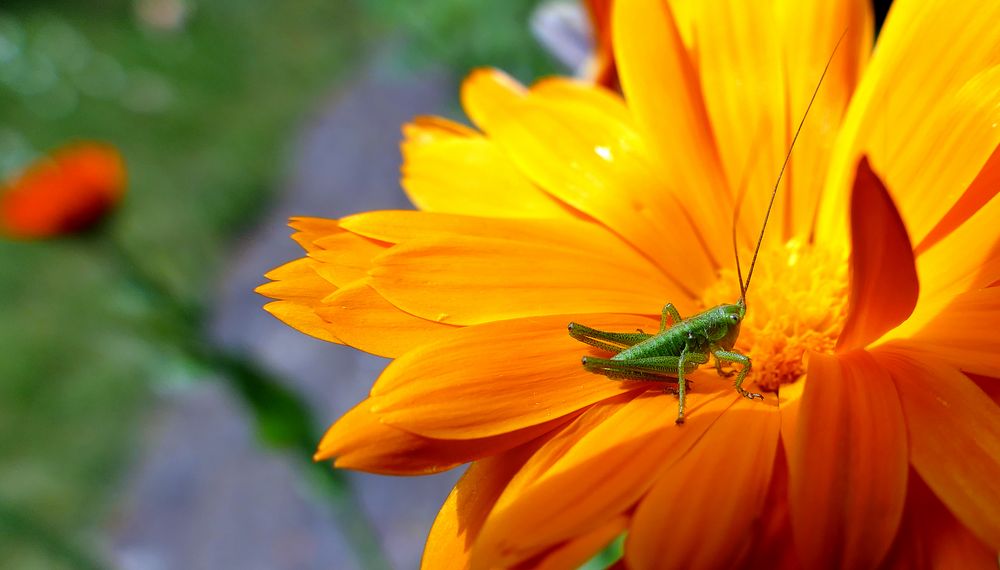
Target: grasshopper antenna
point(745, 286)
point(736, 216)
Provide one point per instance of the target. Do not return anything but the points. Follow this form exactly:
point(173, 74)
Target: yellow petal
point(599, 166)
point(964, 333)
point(809, 31)
point(661, 85)
point(301, 317)
point(964, 259)
point(496, 378)
point(360, 317)
point(469, 174)
point(486, 94)
point(345, 257)
point(428, 128)
point(296, 281)
point(309, 230)
point(467, 280)
point(928, 96)
point(358, 440)
point(977, 197)
point(398, 226)
point(742, 79)
point(572, 92)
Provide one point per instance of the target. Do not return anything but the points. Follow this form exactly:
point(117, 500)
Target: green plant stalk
point(25, 526)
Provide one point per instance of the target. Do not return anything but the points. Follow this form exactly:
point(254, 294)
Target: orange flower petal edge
point(884, 286)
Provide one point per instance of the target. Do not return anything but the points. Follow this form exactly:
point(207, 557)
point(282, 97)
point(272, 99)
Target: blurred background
point(116, 449)
point(152, 416)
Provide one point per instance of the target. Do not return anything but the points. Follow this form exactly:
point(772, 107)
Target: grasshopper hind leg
point(610, 341)
point(654, 368)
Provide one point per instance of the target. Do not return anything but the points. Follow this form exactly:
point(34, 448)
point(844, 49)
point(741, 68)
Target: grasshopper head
point(732, 315)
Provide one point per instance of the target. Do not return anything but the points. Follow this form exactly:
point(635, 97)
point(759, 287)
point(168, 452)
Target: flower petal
point(709, 501)
point(964, 125)
point(661, 86)
point(461, 517)
point(927, 97)
point(742, 80)
point(884, 286)
point(308, 230)
point(303, 318)
point(954, 433)
point(296, 281)
point(572, 92)
point(964, 334)
point(810, 31)
point(770, 547)
point(468, 280)
point(967, 258)
point(344, 256)
point(975, 199)
point(602, 474)
point(848, 464)
point(496, 378)
point(930, 537)
point(428, 128)
point(360, 317)
point(399, 226)
point(486, 94)
point(574, 553)
point(602, 65)
point(469, 174)
point(358, 440)
point(600, 166)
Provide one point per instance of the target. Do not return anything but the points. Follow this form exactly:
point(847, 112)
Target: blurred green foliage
point(202, 98)
point(465, 34)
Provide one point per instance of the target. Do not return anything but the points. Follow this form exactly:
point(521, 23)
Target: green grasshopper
point(680, 348)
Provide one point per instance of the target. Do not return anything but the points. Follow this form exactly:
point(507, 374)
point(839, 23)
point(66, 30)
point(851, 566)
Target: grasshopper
point(679, 348)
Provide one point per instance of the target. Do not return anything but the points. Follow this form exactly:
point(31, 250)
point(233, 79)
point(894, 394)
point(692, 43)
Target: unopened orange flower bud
point(64, 193)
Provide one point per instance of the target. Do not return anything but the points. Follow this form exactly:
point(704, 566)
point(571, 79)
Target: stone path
point(203, 493)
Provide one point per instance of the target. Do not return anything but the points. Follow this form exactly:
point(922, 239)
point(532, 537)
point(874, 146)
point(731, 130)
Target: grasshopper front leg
point(688, 362)
point(732, 356)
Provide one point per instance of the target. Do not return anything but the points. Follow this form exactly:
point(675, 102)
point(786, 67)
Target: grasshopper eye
point(734, 318)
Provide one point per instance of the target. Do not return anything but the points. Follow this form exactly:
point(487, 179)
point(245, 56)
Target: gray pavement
point(203, 493)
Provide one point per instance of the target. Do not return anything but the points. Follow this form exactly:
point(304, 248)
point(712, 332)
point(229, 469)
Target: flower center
point(797, 302)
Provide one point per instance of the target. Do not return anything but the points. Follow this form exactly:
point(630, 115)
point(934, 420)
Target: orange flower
point(870, 324)
point(64, 193)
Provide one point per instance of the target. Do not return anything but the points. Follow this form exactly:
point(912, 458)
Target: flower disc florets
point(797, 303)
